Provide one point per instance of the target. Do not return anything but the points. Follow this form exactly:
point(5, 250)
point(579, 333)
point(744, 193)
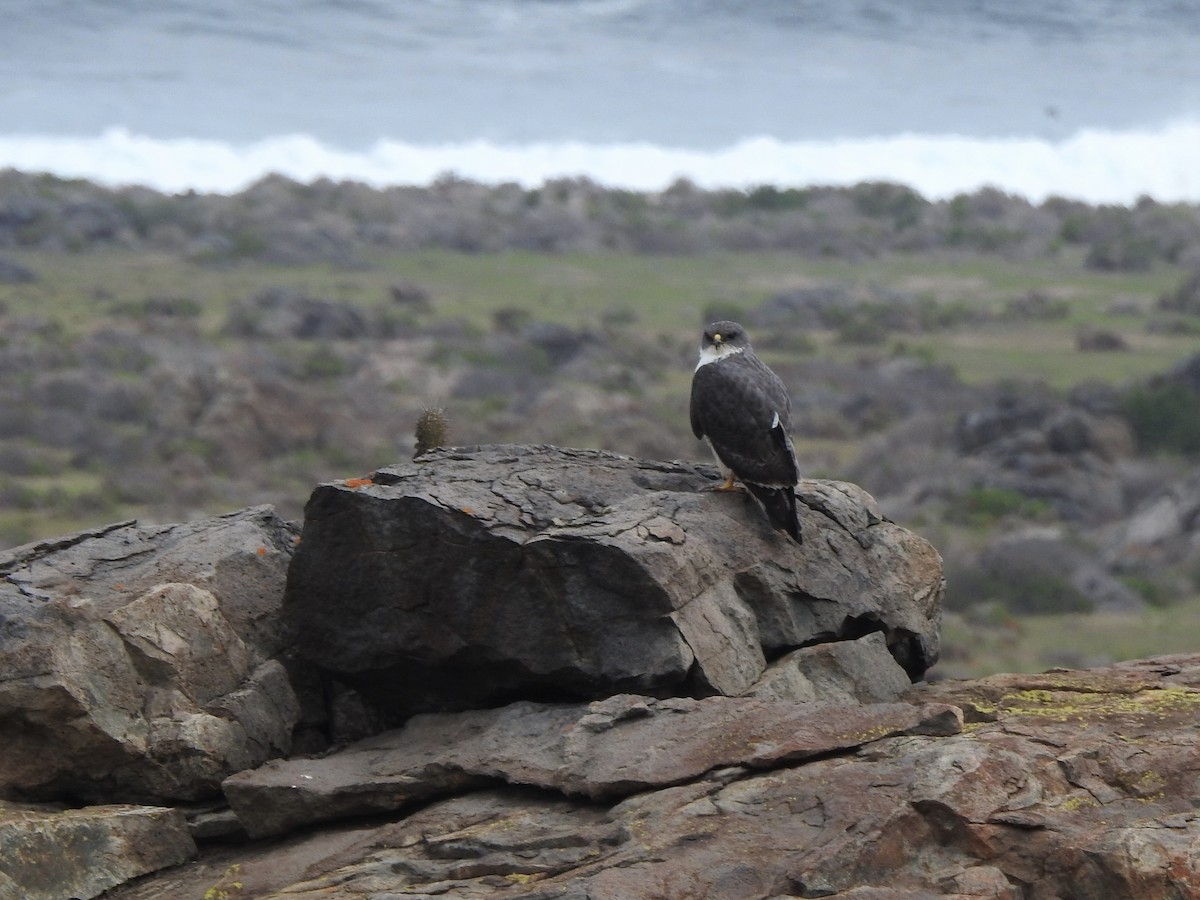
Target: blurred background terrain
point(1019, 382)
point(966, 235)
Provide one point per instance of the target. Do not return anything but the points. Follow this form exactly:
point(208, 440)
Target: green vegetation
point(1165, 417)
point(962, 298)
point(973, 647)
point(985, 506)
point(1021, 592)
point(962, 315)
point(167, 357)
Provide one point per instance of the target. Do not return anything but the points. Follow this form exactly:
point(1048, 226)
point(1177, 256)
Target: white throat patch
point(716, 352)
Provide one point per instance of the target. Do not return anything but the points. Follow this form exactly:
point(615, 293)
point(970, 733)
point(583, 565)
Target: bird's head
point(723, 338)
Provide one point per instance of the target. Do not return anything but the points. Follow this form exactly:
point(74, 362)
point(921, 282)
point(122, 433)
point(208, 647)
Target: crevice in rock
point(12, 559)
point(154, 672)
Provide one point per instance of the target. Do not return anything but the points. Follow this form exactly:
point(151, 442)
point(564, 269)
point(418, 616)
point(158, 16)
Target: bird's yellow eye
point(717, 338)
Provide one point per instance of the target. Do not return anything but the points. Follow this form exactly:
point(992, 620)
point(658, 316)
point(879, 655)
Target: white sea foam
point(1093, 165)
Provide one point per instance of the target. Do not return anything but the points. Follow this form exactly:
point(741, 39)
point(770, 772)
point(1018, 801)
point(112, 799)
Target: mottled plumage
point(742, 408)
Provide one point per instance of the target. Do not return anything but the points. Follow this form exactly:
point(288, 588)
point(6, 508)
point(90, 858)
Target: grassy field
point(1075, 640)
point(666, 298)
point(667, 295)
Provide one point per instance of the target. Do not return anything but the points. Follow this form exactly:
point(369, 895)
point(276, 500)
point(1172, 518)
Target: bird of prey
point(744, 411)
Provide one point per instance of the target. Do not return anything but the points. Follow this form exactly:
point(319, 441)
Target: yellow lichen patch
point(1078, 705)
point(1077, 801)
point(525, 878)
point(984, 709)
point(1150, 780)
point(879, 732)
point(226, 887)
point(1035, 696)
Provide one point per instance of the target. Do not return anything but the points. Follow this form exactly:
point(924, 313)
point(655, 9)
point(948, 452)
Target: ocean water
point(1092, 99)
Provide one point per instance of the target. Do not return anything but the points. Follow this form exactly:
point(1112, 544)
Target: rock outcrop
point(475, 576)
point(142, 663)
point(606, 683)
point(1071, 785)
point(58, 854)
point(602, 751)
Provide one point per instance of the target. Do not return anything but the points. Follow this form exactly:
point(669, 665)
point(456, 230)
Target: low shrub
point(1165, 417)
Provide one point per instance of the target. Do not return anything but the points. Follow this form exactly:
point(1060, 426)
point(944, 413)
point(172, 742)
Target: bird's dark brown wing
point(743, 409)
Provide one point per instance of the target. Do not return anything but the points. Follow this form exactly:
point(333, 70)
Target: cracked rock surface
point(475, 576)
point(139, 663)
point(608, 749)
point(1063, 786)
point(607, 683)
point(52, 855)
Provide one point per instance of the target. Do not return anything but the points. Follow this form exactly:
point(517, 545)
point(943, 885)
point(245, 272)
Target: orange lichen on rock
point(356, 483)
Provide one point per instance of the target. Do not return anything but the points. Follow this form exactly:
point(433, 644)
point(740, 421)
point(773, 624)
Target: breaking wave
point(1093, 165)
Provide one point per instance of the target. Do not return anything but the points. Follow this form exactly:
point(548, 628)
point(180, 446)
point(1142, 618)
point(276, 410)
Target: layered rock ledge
point(1071, 785)
point(476, 576)
point(530, 672)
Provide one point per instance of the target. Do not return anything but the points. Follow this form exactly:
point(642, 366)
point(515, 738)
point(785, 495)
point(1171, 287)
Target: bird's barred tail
point(780, 506)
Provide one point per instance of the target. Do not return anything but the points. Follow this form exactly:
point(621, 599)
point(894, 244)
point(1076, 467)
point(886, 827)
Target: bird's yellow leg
point(728, 485)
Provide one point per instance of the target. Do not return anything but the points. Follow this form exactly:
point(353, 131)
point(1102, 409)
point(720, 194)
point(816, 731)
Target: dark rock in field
point(1163, 532)
point(1035, 306)
point(14, 273)
point(560, 343)
point(52, 854)
point(805, 308)
point(994, 423)
point(253, 419)
point(1041, 571)
point(1044, 449)
point(410, 296)
point(605, 750)
point(1098, 398)
point(1185, 298)
point(142, 662)
point(892, 391)
point(287, 313)
point(1102, 340)
point(478, 575)
point(1186, 373)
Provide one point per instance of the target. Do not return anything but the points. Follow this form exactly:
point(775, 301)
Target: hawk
point(744, 411)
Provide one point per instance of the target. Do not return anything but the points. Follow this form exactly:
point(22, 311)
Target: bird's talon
point(728, 485)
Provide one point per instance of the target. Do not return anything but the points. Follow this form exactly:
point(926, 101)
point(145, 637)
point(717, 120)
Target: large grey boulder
point(141, 663)
point(475, 576)
point(49, 854)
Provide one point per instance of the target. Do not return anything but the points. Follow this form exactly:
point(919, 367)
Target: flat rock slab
point(1066, 786)
point(138, 660)
point(478, 575)
point(50, 854)
point(604, 750)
